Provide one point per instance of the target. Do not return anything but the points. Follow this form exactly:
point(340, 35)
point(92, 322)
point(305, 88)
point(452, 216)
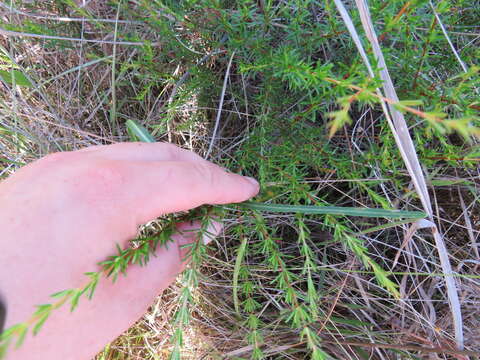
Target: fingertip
point(247, 188)
point(255, 185)
point(223, 187)
point(213, 230)
point(190, 232)
point(187, 232)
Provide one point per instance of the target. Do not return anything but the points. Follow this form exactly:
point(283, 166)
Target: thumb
point(191, 232)
point(171, 259)
point(115, 306)
point(131, 295)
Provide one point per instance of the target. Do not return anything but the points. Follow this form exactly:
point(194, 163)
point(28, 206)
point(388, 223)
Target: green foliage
point(15, 77)
point(190, 278)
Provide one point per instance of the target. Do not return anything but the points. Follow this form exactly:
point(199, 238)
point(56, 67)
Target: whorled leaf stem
point(189, 280)
point(302, 311)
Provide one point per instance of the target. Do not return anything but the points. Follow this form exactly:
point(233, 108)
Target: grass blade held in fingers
point(333, 210)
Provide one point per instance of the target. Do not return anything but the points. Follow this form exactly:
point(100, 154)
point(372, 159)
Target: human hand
point(64, 213)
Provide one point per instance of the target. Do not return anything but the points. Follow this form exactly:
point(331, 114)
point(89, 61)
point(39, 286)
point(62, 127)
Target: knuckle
point(106, 171)
point(169, 148)
point(101, 178)
point(206, 173)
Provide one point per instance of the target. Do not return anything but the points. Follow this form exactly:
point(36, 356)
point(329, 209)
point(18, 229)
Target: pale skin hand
point(62, 214)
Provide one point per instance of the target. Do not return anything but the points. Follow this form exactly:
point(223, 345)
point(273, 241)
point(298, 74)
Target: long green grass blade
point(139, 131)
point(236, 272)
point(333, 210)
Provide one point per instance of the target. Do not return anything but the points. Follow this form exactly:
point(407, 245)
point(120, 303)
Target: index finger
point(140, 151)
point(153, 189)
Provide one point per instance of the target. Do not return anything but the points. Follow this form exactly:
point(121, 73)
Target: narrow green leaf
point(385, 226)
point(22, 332)
point(44, 308)
point(90, 289)
point(139, 131)
point(417, 102)
point(40, 323)
point(74, 300)
point(15, 75)
point(447, 182)
point(74, 69)
point(61, 294)
point(236, 271)
point(339, 320)
point(333, 210)
point(11, 331)
point(353, 306)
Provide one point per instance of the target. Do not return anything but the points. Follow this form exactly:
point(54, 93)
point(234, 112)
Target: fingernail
point(213, 230)
point(207, 239)
point(252, 181)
